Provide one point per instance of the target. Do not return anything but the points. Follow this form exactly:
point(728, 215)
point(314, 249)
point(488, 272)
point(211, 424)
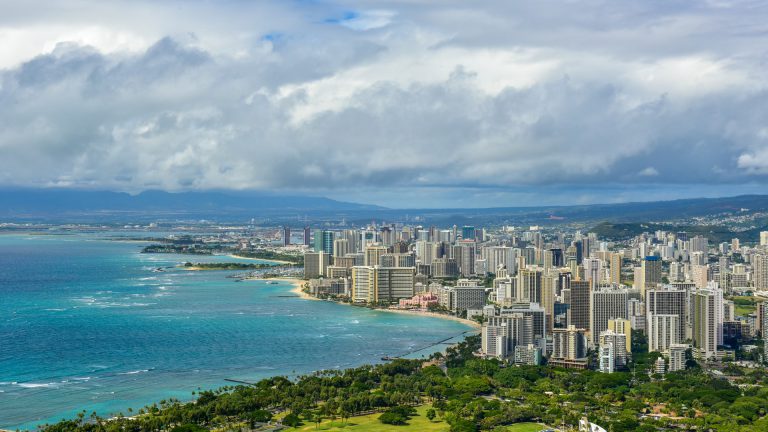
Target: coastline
point(261, 259)
point(299, 283)
point(473, 324)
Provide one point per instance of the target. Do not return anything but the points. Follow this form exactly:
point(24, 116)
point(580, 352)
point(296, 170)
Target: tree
point(431, 414)
point(292, 420)
point(393, 418)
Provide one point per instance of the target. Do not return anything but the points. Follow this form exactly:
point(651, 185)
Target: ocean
point(87, 324)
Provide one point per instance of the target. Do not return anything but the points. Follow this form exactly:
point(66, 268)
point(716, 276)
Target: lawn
point(523, 427)
point(371, 423)
point(744, 305)
point(419, 422)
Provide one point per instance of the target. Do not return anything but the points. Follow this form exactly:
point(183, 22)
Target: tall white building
point(677, 357)
point(662, 331)
point(497, 256)
point(760, 271)
point(606, 305)
point(667, 302)
point(501, 334)
point(612, 350)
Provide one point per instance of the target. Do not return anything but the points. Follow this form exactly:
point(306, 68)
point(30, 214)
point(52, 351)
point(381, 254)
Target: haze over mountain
point(64, 205)
point(61, 203)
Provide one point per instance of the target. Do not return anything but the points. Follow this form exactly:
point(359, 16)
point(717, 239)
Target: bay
point(89, 324)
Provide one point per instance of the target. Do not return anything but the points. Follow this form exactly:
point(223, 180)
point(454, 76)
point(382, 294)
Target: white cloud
point(290, 96)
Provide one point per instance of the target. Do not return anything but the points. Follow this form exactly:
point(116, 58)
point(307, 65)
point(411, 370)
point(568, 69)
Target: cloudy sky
point(401, 103)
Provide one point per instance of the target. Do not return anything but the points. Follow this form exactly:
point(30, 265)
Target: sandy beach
point(474, 324)
point(298, 285)
point(261, 259)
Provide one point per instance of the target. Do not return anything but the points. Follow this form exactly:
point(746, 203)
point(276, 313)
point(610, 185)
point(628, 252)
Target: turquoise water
point(86, 324)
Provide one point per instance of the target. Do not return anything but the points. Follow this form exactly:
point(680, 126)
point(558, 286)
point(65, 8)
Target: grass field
point(420, 423)
point(744, 305)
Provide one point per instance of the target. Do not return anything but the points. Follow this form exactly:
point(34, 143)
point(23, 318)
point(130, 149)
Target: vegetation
point(744, 305)
point(177, 249)
point(468, 394)
point(715, 233)
point(210, 249)
point(271, 255)
point(227, 266)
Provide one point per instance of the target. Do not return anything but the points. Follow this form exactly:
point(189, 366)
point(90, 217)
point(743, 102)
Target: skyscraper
point(619, 325)
point(324, 241)
point(615, 268)
point(286, 235)
point(663, 331)
point(667, 302)
point(605, 305)
point(707, 307)
point(307, 235)
point(760, 274)
point(651, 273)
point(340, 247)
point(468, 232)
point(578, 312)
point(612, 351)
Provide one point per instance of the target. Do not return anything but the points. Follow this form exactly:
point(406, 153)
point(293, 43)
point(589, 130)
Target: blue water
point(85, 324)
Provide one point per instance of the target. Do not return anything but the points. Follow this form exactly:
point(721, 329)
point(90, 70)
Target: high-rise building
point(397, 260)
point(498, 256)
point(548, 289)
point(394, 283)
point(363, 282)
point(760, 273)
point(324, 241)
point(500, 335)
point(593, 269)
point(622, 326)
point(463, 298)
point(707, 305)
point(578, 311)
point(700, 275)
point(615, 267)
point(568, 343)
point(286, 236)
point(763, 238)
point(677, 357)
point(663, 331)
point(536, 312)
point(764, 326)
point(315, 264)
point(557, 257)
point(464, 253)
point(468, 232)
point(307, 236)
point(529, 285)
point(699, 244)
point(340, 247)
point(612, 351)
point(667, 302)
point(388, 284)
point(651, 274)
point(444, 268)
point(373, 254)
point(606, 305)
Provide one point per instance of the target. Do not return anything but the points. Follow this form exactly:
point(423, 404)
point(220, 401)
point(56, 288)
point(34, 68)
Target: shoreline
point(299, 283)
point(262, 259)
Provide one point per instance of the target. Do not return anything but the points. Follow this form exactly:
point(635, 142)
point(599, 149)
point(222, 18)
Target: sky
point(397, 103)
